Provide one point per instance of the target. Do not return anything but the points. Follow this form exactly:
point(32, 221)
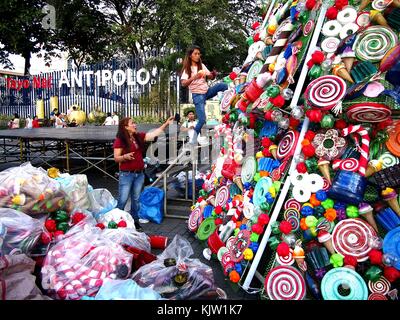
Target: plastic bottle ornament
point(389, 259)
point(328, 121)
point(297, 113)
point(315, 71)
point(299, 158)
point(326, 65)
point(276, 115)
point(300, 7)
point(283, 123)
point(375, 242)
point(287, 94)
point(290, 239)
point(273, 91)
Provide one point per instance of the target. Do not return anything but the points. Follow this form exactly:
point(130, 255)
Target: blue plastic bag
point(125, 290)
point(152, 205)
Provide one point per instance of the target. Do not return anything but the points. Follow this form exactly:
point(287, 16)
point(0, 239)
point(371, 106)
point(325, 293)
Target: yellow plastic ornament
point(307, 204)
point(271, 67)
point(314, 231)
point(19, 200)
point(53, 172)
point(259, 155)
point(271, 29)
point(248, 254)
point(272, 191)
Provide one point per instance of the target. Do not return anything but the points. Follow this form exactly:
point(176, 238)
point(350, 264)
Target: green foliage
point(148, 119)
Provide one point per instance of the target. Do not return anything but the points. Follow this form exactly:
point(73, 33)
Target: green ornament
point(273, 242)
point(203, 193)
point(311, 164)
point(61, 216)
point(328, 121)
point(319, 211)
point(352, 212)
point(303, 16)
point(256, 134)
point(277, 185)
point(336, 260)
point(112, 225)
point(273, 91)
point(264, 206)
point(233, 117)
point(236, 231)
point(328, 204)
point(315, 71)
point(254, 219)
point(63, 226)
point(254, 237)
point(244, 121)
point(249, 41)
point(272, 138)
point(275, 228)
point(311, 221)
point(374, 273)
point(257, 177)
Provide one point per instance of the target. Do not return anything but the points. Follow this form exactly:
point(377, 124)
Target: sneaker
point(138, 227)
point(144, 220)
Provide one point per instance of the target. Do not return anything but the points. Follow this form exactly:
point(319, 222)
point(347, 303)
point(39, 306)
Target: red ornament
point(58, 233)
point(332, 13)
point(218, 209)
point(252, 121)
point(318, 57)
point(375, 256)
point(340, 4)
point(45, 237)
point(309, 150)
point(301, 167)
point(218, 221)
point(285, 227)
point(234, 276)
point(283, 249)
point(266, 142)
point(122, 224)
point(200, 199)
point(233, 76)
point(50, 225)
point(256, 37)
point(310, 4)
point(257, 228)
point(268, 115)
point(314, 115)
point(293, 123)
point(278, 101)
point(77, 217)
point(101, 226)
point(391, 273)
point(384, 124)
point(255, 25)
point(266, 152)
point(350, 261)
point(309, 135)
point(310, 63)
point(263, 219)
point(340, 124)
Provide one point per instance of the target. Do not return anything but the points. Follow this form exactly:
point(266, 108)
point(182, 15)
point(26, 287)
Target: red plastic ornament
point(350, 261)
point(233, 76)
point(234, 276)
point(255, 25)
point(218, 221)
point(340, 124)
point(293, 123)
point(256, 37)
point(101, 226)
point(266, 142)
point(263, 219)
point(58, 233)
point(122, 224)
point(310, 63)
point(266, 152)
point(309, 135)
point(310, 4)
point(314, 115)
point(45, 237)
point(218, 209)
point(332, 13)
point(318, 57)
point(77, 217)
point(257, 228)
point(391, 273)
point(283, 249)
point(50, 225)
point(268, 115)
point(340, 4)
point(309, 151)
point(301, 167)
point(285, 227)
point(278, 101)
point(375, 256)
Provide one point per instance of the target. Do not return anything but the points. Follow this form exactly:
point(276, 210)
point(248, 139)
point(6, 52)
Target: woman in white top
point(59, 123)
point(14, 123)
point(115, 118)
point(109, 120)
point(28, 122)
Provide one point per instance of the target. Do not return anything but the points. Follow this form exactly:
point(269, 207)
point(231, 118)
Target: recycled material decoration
point(249, 169)
point(393, 143)
point(373, 43)
point(287, 144)
point(368, 112)
point(261, 190)
point(206, 228)
point(381, 286)
point(195, 219)
point(226, 100)
point(285, 261)
point(325, 92)
point(240, 243)
point(254, 70)
point(337, 277)
point(391, 245)
point(222, 196)
point(351, 237)
point(285, 283)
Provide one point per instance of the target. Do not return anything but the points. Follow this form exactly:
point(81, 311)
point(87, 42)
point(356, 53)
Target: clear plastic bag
point(21, 232)
point(76, 188)
point(128, 237)
point(101, 201)
point(167, 274)
point(116, 215)
point(30, 190)
point(78, 265)
point(125, 290)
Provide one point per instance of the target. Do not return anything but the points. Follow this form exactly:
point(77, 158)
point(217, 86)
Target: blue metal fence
point(157, 98)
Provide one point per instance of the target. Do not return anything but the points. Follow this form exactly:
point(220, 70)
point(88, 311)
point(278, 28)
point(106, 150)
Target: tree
point(22, 31)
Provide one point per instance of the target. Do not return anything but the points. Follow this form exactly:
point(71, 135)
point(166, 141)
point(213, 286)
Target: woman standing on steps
point(128, 153)
point(195, 75)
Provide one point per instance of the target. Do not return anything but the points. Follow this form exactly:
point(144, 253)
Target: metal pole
point(286, 186)
point(165, 194)
point(21, 150)
point(67, 154)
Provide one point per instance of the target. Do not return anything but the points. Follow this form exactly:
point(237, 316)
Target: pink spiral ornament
point(351, 237)
point(276, 174)
point(225, 129)
point(285, 261)
point(350, 164)
point(308, 27)
point(285, 283)
point(381, 286)
point(291, 212)
point(368, 112)
point(195, 219)
point(326, 184)
point(230, 242)
point(376, 296)
point(292, 203)
point(295, 222)
point(325, 92)
point(226, 99)
point(364, 148)
point(287, 145)
point(222, 196)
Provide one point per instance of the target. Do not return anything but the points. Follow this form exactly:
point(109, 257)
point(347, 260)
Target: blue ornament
point(269, 198)
point(288, 52)
point(254, 246)
point(243, 227)
point(307, 211)
point(321, 195)
point(339, 206)
point(247, 185)
point(238, 268)
point(281, 76)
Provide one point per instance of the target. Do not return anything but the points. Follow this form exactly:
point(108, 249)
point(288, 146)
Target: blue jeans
point(199, 101)
point(130, 183)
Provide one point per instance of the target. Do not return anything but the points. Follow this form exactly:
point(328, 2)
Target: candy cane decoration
point(224, 129)
point(364, 148)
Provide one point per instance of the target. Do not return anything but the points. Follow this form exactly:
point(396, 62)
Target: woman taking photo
point(195, 75)
point(128, 153)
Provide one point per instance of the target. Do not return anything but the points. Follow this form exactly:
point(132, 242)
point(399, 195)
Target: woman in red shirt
point(35, 122)
point(128, 153)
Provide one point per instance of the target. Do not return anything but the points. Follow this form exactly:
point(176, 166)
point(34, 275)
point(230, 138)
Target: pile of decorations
point(337, 233)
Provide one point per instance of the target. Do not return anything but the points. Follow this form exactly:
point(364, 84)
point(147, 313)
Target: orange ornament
point(305, 142)
point(303, 224)
point(234, 276)
point(264, 173)
point(314, 201)
point(330, 214)
point(238, 224)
